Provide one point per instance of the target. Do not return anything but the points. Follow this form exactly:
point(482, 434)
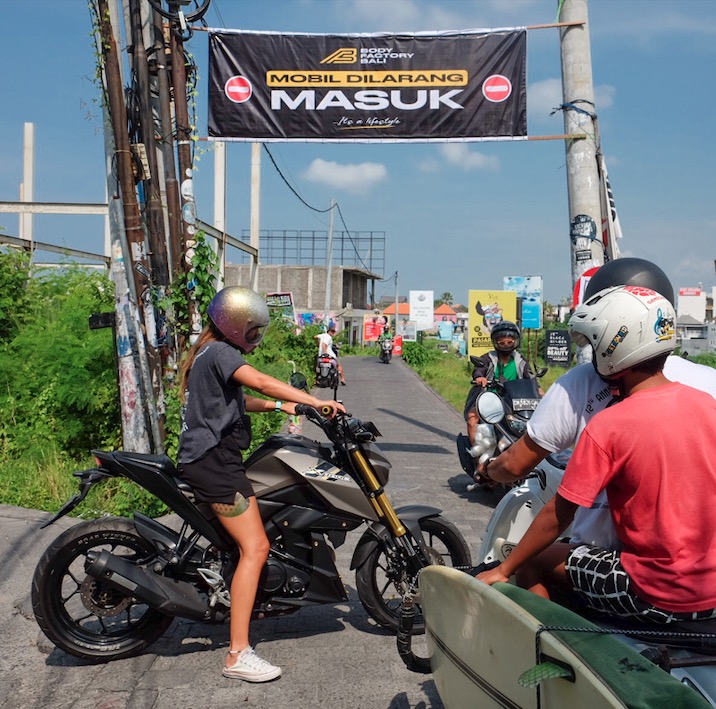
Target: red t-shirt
point(653, 452)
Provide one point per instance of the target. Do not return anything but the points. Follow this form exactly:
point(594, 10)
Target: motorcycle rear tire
point(80, 615)
point(380, 586)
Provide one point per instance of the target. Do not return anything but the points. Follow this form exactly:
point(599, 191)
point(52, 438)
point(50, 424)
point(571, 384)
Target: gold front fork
point(377, 495)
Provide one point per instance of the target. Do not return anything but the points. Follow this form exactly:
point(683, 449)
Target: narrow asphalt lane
point(332, 656)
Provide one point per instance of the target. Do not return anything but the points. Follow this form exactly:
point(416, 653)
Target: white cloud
point(357, 179)
point(460, 155)
point(544, 96)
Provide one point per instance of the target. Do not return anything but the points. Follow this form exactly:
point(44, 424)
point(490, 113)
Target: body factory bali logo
point(449, 86)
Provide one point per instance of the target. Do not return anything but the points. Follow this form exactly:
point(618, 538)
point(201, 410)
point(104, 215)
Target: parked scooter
point(386, 350)
point(106, 589)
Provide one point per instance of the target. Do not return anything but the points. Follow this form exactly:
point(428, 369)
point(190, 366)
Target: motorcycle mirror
point(541, 372)
point(490, 407)
point(298, 381)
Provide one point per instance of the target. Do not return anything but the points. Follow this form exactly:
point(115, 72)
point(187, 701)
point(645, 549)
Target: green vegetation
point(59, 395)
point(58, 387)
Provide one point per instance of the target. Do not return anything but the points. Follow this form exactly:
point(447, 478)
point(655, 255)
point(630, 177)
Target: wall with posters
point(487, 308)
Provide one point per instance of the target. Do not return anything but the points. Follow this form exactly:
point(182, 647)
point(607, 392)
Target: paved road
point(332, 656)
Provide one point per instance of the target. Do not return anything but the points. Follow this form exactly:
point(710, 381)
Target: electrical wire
point(315, 209)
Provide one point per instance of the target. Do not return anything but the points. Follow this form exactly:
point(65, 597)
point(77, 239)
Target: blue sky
point(456, 216)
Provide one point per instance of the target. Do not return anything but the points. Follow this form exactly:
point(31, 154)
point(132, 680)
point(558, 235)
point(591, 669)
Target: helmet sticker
point(640, 291)
point(619, 337)
point(664, 327)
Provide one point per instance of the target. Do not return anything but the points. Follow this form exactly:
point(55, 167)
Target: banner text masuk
point(367, 87)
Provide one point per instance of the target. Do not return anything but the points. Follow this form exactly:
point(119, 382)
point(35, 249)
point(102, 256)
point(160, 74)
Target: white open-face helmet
point(625, 326)
point(241, 316)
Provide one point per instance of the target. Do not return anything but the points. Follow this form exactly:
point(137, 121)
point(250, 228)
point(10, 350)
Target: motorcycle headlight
point(516, 425)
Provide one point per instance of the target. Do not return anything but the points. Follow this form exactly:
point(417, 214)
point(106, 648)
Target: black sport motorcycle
point(106, 589)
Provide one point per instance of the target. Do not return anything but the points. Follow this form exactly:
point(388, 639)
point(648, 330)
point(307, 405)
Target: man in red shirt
point(658, 474)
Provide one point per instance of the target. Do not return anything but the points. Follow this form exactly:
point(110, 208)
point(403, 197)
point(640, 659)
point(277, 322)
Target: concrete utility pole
point(583, 182)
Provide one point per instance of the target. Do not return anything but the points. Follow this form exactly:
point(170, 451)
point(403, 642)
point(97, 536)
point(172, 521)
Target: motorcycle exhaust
point(174, 598)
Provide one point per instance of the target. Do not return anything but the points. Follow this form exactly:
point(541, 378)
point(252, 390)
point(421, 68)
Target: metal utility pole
point(152, 186)
point(186, 180)
point(133, 226)
point(329, 259)
point(166, 142)
point(255, 209)
point(583, 182)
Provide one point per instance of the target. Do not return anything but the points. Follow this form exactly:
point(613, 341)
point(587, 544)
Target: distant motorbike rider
point(326, 347)
point(503, 364)
point(385, 343)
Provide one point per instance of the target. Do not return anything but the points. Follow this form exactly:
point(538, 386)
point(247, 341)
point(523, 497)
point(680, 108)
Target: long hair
point(208, 334)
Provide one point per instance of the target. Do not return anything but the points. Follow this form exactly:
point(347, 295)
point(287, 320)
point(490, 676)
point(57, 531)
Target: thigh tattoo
point(239, 506)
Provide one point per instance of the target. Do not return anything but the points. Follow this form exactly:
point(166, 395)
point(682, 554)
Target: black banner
point(558, 348)
point(367, 88)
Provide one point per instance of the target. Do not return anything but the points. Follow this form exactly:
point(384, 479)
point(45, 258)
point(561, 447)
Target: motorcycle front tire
point(77, 612)
point(379, 585)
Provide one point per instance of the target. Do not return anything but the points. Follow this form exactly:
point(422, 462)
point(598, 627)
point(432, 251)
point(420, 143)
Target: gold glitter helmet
point(240, 315)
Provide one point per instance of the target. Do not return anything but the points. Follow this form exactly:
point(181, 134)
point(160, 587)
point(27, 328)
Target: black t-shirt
point(214, 402)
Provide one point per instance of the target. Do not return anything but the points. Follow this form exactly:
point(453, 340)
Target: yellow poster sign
point(487, 308)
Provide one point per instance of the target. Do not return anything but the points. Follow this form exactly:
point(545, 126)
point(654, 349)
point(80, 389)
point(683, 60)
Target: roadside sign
point(496, 88)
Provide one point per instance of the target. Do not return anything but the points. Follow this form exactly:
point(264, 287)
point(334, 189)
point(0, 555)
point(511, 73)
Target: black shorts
point(472, 395)
point(220, 474)
point(598, 576)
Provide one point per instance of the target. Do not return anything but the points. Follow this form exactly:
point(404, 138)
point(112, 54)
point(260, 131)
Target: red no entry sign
point(238, 89)
point(496, 88)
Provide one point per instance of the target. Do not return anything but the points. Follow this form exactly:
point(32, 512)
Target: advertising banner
point(529, 290)
point(558, 348)
point(487, 308)
point(283, 304)
point(421, 308)
point(373, 326)
point(459, 86)
point(408, 330)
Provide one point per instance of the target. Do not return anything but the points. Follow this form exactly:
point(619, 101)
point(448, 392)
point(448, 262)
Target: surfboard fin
point(550, 669)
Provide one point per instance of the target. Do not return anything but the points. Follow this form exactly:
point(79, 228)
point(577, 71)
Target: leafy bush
point(58, 387)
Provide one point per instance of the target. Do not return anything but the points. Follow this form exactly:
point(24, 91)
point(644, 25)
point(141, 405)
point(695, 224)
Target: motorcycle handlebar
point(312, 414)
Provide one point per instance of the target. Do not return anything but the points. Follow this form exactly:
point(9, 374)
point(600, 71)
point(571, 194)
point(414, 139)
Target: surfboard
point(501, 646)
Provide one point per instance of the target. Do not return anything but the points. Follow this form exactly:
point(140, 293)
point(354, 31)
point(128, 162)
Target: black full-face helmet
point(630, 271)
point(240, 315)
point(505, 328)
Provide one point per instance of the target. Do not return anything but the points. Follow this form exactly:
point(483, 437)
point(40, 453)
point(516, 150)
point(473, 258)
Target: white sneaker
point(250, 667)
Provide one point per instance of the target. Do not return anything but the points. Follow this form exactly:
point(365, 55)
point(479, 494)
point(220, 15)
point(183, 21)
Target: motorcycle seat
point(162, 463)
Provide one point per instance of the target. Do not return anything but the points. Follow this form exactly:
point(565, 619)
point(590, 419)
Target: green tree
point(445, 298)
